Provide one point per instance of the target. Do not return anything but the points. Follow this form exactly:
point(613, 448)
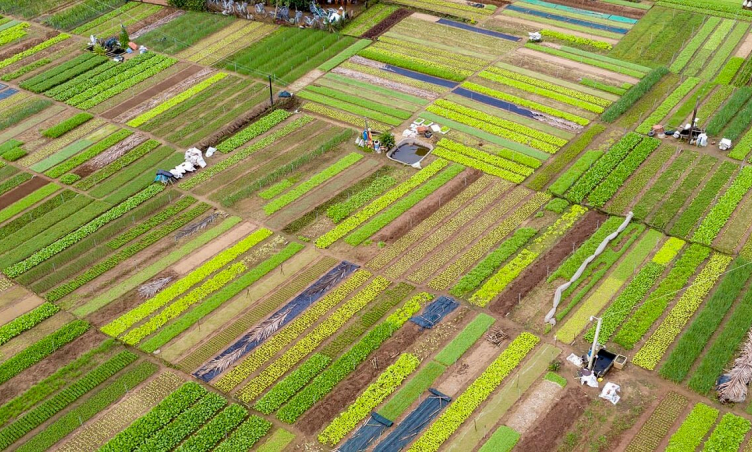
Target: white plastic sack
point(610, 392)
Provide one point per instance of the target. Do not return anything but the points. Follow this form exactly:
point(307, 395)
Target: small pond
point(409, 152)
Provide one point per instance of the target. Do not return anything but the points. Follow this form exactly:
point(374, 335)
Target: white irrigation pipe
point(559, 290)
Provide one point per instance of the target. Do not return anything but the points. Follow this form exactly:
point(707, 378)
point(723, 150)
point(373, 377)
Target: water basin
point(409, 151)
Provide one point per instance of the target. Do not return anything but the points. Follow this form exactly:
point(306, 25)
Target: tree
point(124, 38)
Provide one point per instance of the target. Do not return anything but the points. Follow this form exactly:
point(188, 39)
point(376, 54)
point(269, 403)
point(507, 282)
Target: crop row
point(696, 425)
point(525, 103)
point(634, 94)
point(61, 74)
point(343, 116)
point(292, 383)
point(352, 105)
point(729, 71)
point(246, 435)
point(471, 162)
point(101, 78)
point(446, 242)
point(343, 209)
point(464, 406)
point(182, 97)
point(403, 205)
point(454, 60)
point(532, 86)
point(138, 432)
point(42, 412)
point(185, 424)
point(697, 40)
point(66, 126)
point(36, 213)
point(487, 242)
point(59, 379)
point(507, 75)
point(577, 39)
point(415, 64)
point(27, 201)
point(88, 154)
point(13, 33)
point(724, 208)
point(241, 155)
point(603, 167)
point(659, 423)
point(652, 352)
point(729, 110)
point(121, 82)
point(616, 179)
point(451, 210)
point(568, 268)
point(100, 268)
point(88, 26)
point(380, 204)
point(668, 104)
point(346, 364)
point(37, 48)
point(517, 132)
point(304, 346)
point(694, 339)
point(153, 222)
point(276, 189)
point(729, 434)
point(565, 156)
point(495, 160)
point(41, 349)
point(82, 232)
point(574, 172)
point(215, 430)
point(101, 400)
point(384, 385)
point(122, 323)
point(490, 263)
point(700, 202)
point(26, 321)
point(310, 184)
point(208, 287)
point(497, 283)
point(644, 317)
point(26, 69)
point(219, 298)
point(290, 332)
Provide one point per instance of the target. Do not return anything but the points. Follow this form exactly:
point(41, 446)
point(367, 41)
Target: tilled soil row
point(285, 103)
point(559, 419)
point(43, 369)
point(347, 390)
point(26, 45)
point(427, 207)
point(22, 190)
point(388, 22)
point(147, 27)
point(537, 272)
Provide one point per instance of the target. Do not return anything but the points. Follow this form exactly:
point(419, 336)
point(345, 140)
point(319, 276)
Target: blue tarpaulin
point(482, 31)
point(415, 422)
point(435, 311)
point(367, 434)
point(584, 23)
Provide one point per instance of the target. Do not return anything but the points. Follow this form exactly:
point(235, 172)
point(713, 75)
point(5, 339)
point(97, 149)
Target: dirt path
point(578, 67)
point(305, 80)
point(426, 17)
point(468, 368)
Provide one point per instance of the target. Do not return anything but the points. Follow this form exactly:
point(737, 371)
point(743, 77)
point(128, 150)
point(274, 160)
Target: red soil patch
point(25, 45)
point(347, 390)
point(22, 190)
point(634, 13)
point(427, 207)
point(151, 92)
point(67, 353)
point(159, 15)
point(537, 272)
point(388, 22)
point(559, 419)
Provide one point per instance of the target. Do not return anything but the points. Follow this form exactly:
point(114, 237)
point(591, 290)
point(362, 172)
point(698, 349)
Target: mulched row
point(388, 22)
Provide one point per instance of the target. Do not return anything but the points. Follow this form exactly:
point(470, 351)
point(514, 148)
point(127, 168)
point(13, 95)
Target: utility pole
point(271, 93)
point(595, 341)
